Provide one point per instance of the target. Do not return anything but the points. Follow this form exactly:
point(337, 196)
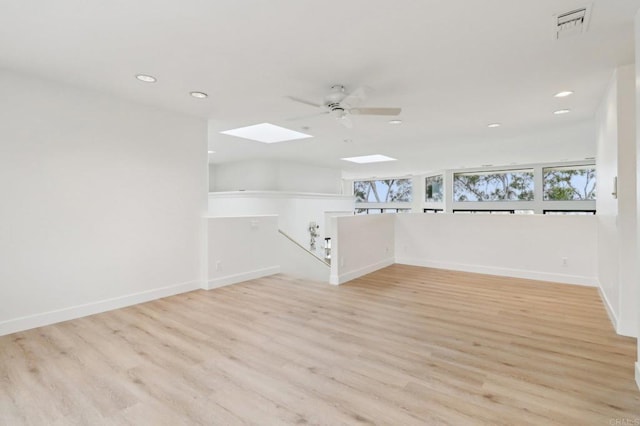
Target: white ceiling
point(454, 66)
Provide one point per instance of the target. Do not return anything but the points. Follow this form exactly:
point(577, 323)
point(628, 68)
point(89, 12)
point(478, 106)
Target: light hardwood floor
point(402, 346)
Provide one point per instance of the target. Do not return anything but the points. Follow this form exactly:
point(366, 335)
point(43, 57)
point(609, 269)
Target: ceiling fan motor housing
point(335, 106)
point(336, 96)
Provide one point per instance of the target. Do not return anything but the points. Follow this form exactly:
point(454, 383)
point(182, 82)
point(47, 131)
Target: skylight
point(375, 158)
point(266, 133)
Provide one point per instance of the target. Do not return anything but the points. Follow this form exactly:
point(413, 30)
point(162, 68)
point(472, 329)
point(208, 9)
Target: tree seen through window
point(569, 183)
point(514, 185)
point(383, 191)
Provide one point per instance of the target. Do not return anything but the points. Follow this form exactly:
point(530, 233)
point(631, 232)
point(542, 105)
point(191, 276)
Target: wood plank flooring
point(402, 346)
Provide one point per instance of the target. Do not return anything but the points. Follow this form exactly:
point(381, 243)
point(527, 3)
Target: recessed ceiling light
point(146, 78)
point(199, 95)
point(395, 121)
point(494, 125)
point(211, 152)
point(562, 111)
point(266, 133)
point(376, 158)
point(563, 94)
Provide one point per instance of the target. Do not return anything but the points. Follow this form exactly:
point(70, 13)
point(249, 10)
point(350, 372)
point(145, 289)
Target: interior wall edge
point(607, 305)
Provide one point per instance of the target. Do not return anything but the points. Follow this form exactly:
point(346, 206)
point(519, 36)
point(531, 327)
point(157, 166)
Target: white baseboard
point(244, 276)
point(343, 278)
point(638, 375)
point(505, 272)
point(73, 312)
point(607, 306)
point(627, 328)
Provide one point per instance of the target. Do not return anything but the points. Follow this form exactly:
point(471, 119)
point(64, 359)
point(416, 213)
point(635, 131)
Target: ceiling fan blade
point(302, 117)
point(375, 111)
point(302, 101)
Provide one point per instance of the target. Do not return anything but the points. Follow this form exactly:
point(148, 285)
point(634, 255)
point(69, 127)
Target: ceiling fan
point(342, 105)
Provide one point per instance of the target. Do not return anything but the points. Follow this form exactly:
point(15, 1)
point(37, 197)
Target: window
point(569, 183)
point(434, 189)
point(383, 191)
point(512, 185)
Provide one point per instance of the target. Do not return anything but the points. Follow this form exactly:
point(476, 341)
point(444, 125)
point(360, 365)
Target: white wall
point(627, 209)
point(101, 202)
point(525, 246)
point(250, 175)
point(618, 273)
point(241, 248)
point(637, 121)
point(606, 205)
point(295, 210)
point(305, 178)
point(273, 175)
point(361, 245)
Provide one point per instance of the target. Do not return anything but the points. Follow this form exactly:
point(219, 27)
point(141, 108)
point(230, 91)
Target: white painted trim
point(343, 278)
point(626, 328)
point(607, 306)
point(276, 194)
point(505, 272)
point(638, 375)
point(79, 311)
point(243, 276)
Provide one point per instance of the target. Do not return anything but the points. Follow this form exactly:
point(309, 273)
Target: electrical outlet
point(218, 265)
point(565, 261)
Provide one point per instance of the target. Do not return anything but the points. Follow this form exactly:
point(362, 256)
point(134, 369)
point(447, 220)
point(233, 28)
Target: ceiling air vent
point(571, 23)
